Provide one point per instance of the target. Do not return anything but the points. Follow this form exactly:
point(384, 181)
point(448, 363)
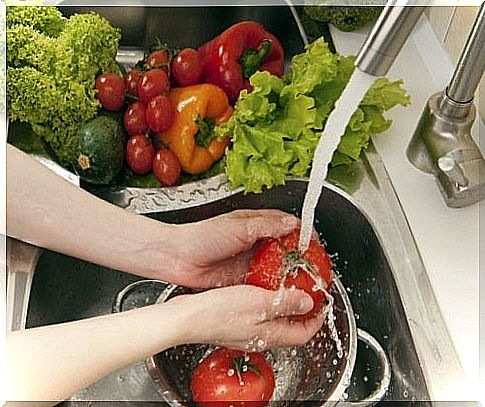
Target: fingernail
point(290, 223)
point(306, 304)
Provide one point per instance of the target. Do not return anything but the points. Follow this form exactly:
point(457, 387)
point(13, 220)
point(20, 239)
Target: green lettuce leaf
point(276, 128)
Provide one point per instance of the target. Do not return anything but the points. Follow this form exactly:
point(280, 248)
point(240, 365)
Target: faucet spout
point(387, 37)
point(471, 64)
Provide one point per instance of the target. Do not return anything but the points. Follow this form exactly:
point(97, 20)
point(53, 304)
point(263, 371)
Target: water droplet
point(230, 372)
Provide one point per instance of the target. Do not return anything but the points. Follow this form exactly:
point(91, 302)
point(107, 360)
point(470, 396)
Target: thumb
point(289, 302)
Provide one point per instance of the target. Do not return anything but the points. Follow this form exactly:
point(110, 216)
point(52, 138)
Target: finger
point(284, 332)
point(272, 223)
point(248, 213)
point(250, 230)
point(285, 302)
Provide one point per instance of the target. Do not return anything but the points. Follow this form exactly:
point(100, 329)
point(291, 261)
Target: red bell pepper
point(232, 57)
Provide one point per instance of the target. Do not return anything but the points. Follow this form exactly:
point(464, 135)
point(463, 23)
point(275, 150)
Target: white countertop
point(448, 239)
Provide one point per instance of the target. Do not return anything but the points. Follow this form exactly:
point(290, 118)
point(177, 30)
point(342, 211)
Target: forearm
point(53, 362)
point(47, 211)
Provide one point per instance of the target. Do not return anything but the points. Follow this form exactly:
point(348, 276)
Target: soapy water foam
point(328, 143)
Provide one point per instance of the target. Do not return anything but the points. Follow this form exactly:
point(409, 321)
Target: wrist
point(153, 251)
point(192, 322)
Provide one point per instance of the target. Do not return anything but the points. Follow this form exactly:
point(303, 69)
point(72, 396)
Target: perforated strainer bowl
point(316, 374)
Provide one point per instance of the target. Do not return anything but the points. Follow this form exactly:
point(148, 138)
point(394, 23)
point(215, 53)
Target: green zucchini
point(99, 150)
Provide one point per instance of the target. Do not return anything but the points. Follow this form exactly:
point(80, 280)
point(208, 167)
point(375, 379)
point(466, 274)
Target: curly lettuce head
point(50, 79)
point(47, 20)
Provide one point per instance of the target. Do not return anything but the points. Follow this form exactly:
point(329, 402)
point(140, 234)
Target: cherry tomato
point(159, 114)
point(158, 59)
point(111, 91)
point(272, 255)
point(134, 119)
point(166, 167)
point(139, 154)
point(230, 377)
point(185, 68)
point(131, 81)
point(151, 84)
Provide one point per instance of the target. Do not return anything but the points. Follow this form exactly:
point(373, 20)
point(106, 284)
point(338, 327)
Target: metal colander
point(315, 374)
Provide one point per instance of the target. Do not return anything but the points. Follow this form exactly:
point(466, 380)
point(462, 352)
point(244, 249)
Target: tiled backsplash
point(452, 26)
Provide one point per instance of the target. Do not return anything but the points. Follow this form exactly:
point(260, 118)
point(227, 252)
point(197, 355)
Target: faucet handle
point(462, 180)
point(453, 170)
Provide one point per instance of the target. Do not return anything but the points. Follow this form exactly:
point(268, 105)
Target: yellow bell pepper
point(190, 105)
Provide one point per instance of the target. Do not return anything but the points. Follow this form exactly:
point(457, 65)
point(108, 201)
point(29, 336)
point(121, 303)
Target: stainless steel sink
point(376, 256)
point(376, 259)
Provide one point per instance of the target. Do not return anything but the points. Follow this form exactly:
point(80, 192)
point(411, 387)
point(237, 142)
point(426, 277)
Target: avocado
point(99, 150)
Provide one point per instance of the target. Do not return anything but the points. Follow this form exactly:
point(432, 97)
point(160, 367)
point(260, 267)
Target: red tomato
point(158, 59)
point(270, 258)
point(152, 83)
point(111, 91)
point(139, 154)
point(159, 114)
point(185, 68)
point(131, 81)
point(134, 119)
point(166, 167)
point(233, 378)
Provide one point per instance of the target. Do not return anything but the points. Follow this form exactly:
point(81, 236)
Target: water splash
point(328, 311)
point(291, 266)
point(329, 141)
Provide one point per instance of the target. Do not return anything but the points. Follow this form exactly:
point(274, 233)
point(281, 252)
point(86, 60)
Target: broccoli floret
point(345, 18)
point(47, 20)
point(50, 81)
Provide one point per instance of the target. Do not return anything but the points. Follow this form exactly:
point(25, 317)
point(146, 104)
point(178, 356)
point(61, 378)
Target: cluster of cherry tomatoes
point(145, 88)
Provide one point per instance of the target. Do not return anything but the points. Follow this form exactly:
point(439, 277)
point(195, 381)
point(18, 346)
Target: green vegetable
point(21, 136)
point(345, 18)
point(52, 63)
point(206, 131)
point(276, 127)
point(47, 20)
point(99, 150)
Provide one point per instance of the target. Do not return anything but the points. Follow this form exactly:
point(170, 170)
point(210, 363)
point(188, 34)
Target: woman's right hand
point(247, 317)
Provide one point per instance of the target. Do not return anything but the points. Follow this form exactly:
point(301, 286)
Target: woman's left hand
point(216, 252)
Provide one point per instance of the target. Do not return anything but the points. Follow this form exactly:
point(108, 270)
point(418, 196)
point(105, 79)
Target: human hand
point(216, 252)
point(247, 317)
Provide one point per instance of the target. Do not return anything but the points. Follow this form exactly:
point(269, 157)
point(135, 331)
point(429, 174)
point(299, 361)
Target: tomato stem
point(241, 365)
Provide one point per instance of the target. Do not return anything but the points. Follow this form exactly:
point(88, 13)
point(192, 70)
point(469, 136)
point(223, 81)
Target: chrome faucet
point(387, 37)
point(442, 144)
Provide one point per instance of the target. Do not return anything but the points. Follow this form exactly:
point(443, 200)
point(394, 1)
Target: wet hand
point(248, 318)
point(216, 252)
